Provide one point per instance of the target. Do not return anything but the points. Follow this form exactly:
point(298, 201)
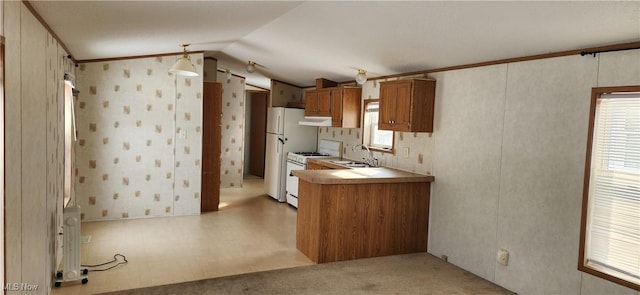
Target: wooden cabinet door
point(311, 103)
point(387, 106)
point(258, 133)
point(324, 103)
point(336, 107)
point(342, 104)
point(351, 107)
point(407, 105)
point(211, 134)
point(402, 118)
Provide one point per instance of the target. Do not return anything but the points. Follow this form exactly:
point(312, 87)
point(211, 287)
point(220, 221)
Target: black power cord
point(115, 260)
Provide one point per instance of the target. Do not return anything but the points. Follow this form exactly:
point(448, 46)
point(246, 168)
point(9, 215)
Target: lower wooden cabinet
point(351, 221)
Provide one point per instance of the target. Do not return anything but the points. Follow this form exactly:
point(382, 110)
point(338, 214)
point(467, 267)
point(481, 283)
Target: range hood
point(316, 121)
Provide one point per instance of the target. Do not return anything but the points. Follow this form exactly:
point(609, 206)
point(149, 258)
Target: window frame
point(596, 93)
point(70, 137)
point(2, 162)
point(367, 126)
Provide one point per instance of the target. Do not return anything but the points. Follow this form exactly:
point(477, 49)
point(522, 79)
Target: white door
point(273, 166)
point(275, 120)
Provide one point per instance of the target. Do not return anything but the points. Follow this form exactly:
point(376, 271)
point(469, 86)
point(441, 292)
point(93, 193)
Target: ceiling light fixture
point(251, 66)
point(183, 66)
point(361, 77)
point(228, 74)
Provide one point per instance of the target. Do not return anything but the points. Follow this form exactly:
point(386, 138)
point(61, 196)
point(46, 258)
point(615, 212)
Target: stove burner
point(313, 154)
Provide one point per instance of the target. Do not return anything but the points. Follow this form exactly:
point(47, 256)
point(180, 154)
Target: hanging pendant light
point(183, 66)
point(251, 66)
point(361, 77)
point(227, 73)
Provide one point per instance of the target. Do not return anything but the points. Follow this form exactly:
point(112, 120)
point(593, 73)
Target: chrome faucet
point(369, 159)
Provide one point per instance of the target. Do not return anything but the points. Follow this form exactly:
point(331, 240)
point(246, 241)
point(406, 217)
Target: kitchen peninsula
point(356, 213)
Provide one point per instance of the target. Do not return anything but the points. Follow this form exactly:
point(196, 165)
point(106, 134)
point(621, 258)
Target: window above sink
point(374, 138)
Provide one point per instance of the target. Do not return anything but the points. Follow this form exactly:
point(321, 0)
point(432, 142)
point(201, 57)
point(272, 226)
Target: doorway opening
point(255, 133)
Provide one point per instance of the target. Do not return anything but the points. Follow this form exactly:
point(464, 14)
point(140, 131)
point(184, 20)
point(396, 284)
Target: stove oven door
point(292, 183)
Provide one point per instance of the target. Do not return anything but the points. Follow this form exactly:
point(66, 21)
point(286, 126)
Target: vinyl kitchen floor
point(250, 233)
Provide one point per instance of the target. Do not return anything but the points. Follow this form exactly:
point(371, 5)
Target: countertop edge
point(361, 176)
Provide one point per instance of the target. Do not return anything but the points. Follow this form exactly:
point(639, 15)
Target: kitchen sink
point(343, 162)
point(358, 165)
point(351, 164)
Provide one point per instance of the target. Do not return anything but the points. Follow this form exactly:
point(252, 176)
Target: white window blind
point(613, 221)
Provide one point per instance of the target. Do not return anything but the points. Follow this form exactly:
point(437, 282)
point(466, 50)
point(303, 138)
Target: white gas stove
point(301, 157)
point(298, 161)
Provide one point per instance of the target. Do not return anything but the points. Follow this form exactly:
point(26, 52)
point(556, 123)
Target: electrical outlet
point(503, 257)
point(405, 152)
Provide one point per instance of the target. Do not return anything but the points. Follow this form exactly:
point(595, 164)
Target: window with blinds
point(610, 237)
point(380, 140)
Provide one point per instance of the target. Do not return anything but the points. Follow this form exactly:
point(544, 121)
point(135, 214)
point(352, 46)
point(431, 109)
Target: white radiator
point(71, 268)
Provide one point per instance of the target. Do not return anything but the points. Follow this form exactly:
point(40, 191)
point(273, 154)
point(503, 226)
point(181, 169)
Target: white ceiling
point(297, 42)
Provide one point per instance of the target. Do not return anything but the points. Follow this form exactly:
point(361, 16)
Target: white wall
point(139, 141)
point(34, 157)
point(510, 144)
point(232, 141)
point(2, 160)
point(2, 18)
point(507, 153)
point(13, 147)
point(282, 93)
point(115, 144)
point(466, 163)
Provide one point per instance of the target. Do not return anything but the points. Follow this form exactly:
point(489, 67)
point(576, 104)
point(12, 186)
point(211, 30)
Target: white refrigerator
point(284, 135)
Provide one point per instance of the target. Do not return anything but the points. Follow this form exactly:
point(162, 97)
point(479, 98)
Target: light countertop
point(358, 175)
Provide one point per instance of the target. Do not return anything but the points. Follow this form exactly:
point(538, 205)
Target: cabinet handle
point(390, 121)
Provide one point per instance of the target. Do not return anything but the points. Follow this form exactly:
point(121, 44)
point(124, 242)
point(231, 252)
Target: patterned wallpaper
point(282, 93)
point(34, 148)
point(139, 143)
point(420, 145)
point(232, 142)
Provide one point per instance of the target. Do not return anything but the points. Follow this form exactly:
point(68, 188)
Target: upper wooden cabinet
point(345, 106)
point(342, 104)
point(407, 105)
point(318, 103)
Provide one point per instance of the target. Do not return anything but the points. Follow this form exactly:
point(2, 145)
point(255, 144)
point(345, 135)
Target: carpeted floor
point(418, 273)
